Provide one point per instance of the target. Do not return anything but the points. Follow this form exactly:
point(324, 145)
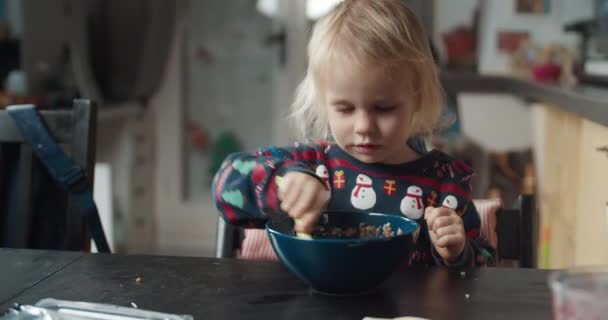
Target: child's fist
point(303, 197)
point(446, 230)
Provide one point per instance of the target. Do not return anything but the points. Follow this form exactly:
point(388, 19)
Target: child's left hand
point(446, 230)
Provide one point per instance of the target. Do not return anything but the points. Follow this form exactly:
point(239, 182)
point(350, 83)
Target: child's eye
point(385, 108)
point(344, 109)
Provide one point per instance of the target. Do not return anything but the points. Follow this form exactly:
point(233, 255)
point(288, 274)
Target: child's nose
point(364, 123)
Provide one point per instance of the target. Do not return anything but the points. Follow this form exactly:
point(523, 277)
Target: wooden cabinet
point(573, 188)
point(556, 155)
point(592, 197)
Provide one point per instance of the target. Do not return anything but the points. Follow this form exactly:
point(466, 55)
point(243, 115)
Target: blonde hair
point(385, 33)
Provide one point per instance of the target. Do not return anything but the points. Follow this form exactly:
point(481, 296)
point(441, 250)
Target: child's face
point(369, 113)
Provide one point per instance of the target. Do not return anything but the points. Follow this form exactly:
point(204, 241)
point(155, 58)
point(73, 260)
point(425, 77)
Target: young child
point(371, 85)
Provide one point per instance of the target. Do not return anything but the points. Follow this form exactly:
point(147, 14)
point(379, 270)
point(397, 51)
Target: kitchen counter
point(589, 102)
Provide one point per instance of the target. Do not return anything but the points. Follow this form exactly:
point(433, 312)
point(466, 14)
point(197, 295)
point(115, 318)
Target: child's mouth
point(366, 148)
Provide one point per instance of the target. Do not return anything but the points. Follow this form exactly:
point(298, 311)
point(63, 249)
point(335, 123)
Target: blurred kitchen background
point(180, 84)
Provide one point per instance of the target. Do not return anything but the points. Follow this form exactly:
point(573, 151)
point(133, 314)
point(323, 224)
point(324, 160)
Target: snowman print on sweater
point(323, 173)
point(411, 205)
point(363, 196)
point(450, 202)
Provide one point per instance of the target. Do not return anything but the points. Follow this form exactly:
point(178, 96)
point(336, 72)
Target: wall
point(115, 147)
point(182, 227)
point(229, 69)
point(287, 77)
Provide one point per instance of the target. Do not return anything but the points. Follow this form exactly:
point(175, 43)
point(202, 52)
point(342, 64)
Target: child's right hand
point(303, 197)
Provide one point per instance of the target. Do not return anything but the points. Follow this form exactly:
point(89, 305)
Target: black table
point(236, 289)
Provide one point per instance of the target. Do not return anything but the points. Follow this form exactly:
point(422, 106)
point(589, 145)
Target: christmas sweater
point(245, 191)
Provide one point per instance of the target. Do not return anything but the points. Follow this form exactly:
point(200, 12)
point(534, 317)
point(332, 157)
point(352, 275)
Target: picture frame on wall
point(539, 7)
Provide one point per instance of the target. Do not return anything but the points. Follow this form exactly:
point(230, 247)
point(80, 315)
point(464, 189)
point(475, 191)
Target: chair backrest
point(510, 231)
point(226, 241)
point(516, 231)
point(35, 212)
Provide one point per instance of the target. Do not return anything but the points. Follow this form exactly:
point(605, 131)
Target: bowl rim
point(413, 233)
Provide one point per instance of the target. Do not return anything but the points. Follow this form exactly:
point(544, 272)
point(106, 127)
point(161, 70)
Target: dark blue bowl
point(345, 266)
